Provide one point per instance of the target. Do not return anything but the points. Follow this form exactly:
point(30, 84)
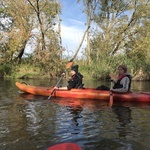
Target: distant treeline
point(120, 36)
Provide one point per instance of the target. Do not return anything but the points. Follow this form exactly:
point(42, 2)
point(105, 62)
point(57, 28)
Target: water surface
point(33, 123)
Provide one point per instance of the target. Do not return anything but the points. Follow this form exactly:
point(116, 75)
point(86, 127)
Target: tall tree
point(120, 27)
point(34, 21)
point(48, 51)
point(17, 28)
point(89, 8)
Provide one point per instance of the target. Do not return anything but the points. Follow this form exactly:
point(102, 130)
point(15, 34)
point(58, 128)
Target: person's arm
point(125, 82)
point(63, 88)
point(71, 84)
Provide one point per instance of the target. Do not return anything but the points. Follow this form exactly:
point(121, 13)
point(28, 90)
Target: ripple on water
point(93, 125)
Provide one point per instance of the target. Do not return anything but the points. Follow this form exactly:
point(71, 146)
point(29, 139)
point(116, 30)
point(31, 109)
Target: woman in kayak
point(122, 84)
point(76, 79)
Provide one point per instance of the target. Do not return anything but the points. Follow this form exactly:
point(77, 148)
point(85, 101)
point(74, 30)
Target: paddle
point(68, 65)
point(111, 94)
point(113, 78)
point(54, 88)
point(71, 61)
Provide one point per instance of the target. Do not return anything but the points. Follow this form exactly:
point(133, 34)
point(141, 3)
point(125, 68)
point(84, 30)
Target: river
point(33, 123)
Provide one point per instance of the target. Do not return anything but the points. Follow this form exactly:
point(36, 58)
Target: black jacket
point(75, 81)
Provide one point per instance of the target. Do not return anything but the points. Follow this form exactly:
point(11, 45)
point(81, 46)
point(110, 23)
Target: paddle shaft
point(54, 87)
point(111, 94)
point(68, 65)
point(85, 32)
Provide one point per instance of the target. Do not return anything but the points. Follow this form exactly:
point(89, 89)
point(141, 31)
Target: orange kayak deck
point(87, 93)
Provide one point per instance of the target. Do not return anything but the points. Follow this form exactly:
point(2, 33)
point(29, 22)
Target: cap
point(75, 68)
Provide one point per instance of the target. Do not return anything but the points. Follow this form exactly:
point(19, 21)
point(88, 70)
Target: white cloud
point(72, 26)
point(72, 36)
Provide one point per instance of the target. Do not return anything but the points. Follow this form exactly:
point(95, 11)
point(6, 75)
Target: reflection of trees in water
point(140, 86)
point(124, 117)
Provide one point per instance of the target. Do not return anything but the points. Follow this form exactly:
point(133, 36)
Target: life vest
point(119, 85)
point(76, 79)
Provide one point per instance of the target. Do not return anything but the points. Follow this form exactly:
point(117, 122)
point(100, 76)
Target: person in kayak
point(76, 79)
point(123, 82)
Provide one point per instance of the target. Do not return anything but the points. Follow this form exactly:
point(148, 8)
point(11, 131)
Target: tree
point(48, 49)
point(18, 29)
point(26, 17)
point(120, 27)
point(89, 8)
point(138, 47)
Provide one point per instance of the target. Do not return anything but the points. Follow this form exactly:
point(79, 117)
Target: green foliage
point(26, 70)
point(6, 69)
point(121, 38)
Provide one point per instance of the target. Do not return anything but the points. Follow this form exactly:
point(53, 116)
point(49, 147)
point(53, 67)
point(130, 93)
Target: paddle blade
point(111, 100)
point(65, 146)
point(111, 94)
point(69, 64)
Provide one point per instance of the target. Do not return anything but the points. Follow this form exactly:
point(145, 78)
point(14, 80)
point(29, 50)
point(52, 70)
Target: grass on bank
point(25, 71)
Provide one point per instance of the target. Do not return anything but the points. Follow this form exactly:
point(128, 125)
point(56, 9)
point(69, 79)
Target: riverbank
point(32, 72)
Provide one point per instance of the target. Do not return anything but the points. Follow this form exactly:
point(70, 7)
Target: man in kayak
point(123, 82)
point(75, 81)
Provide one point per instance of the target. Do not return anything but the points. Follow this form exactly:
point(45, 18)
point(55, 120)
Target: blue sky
point(72, 25)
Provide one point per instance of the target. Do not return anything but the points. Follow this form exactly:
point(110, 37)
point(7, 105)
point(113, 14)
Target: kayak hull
point(87, 93)
point(65, 146)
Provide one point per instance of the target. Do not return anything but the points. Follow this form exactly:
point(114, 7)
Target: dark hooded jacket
point(76, 79)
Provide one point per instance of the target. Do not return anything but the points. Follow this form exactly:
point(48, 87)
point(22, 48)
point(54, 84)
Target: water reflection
point(140, 86)
point(76, 114)
point(32, 122)
point(33, 118)
point(124, 118)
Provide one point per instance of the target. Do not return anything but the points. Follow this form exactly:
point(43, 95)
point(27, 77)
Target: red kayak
point(87, 93)
point(65, 146)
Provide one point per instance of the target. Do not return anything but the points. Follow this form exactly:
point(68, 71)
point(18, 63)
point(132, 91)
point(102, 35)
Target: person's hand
point(56, 87)
point(113, 77)
point(63, 74)
point(111, 90)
